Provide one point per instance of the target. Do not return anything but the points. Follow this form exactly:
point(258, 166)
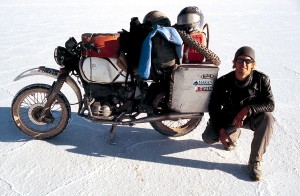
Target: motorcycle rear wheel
point(169, 127)
point(27, 105)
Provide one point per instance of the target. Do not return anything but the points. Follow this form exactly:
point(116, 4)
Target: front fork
point(45, 115)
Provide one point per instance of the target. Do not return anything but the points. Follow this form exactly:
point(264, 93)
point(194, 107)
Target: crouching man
point(242, 99)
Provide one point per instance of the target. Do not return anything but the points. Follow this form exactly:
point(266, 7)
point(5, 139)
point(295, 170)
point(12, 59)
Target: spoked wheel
point(28, 105)
point(173, 128)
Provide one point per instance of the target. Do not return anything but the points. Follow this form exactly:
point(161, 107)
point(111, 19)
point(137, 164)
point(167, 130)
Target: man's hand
point(224, 138)
point(238, 121)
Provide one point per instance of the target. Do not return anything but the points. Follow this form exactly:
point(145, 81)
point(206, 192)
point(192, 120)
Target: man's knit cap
point(245, 50)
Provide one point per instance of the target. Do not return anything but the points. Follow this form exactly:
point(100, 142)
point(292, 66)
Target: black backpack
point(131, 42)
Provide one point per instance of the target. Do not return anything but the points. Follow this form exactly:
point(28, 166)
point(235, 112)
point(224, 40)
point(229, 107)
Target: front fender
point(53, 73)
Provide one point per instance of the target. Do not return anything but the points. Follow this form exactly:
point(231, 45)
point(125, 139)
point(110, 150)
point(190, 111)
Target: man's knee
point(267, 118)
point(264, 120)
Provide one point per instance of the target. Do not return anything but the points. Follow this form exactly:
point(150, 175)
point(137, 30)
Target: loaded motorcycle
point(173, 100)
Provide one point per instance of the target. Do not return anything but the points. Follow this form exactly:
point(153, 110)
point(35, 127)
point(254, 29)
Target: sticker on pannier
point(103, 45)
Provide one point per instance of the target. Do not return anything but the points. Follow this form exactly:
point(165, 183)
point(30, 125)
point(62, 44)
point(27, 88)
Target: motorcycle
point(173, 101)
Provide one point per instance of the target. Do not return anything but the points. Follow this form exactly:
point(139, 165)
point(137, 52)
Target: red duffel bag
point(108, 44)
point(191, 55)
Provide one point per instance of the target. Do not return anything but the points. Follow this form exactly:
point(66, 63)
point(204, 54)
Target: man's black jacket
point(228, 98)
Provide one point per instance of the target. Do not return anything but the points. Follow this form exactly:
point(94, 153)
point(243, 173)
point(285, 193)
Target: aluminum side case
point(192, 86)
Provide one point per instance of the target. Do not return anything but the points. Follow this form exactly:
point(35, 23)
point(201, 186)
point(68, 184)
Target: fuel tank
point(102, 70)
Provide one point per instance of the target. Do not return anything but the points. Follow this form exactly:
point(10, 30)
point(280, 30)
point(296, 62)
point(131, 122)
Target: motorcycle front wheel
point(27, 106)
point(170, 127)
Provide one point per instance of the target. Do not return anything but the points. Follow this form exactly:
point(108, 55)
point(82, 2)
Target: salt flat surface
point(80, 161)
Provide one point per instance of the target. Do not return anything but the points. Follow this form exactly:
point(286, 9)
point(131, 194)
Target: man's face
point(243, 67)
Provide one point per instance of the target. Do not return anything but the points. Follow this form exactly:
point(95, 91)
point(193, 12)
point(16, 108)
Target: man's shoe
point(210, 136)
point(234, 136)
point(255, 170)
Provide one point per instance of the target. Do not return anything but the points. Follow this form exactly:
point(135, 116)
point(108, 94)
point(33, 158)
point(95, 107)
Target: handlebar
point(91, 46)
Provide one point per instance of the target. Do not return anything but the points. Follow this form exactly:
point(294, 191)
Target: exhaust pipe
point(132, 121)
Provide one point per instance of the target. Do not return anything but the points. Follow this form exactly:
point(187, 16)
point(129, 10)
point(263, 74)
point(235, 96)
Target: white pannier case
point(192, 87)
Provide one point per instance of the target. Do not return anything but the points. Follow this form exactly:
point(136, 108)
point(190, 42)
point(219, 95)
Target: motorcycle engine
point(98, 110)
point(108, 98)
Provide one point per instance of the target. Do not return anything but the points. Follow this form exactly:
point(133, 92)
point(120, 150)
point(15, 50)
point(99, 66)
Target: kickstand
point(112, 134)
point(112, 131)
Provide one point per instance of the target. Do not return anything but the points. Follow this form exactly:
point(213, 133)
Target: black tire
point(169, 127)
point(29, 101)
point(209, 55)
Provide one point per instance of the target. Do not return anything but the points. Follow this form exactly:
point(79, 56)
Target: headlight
point(60, 54)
